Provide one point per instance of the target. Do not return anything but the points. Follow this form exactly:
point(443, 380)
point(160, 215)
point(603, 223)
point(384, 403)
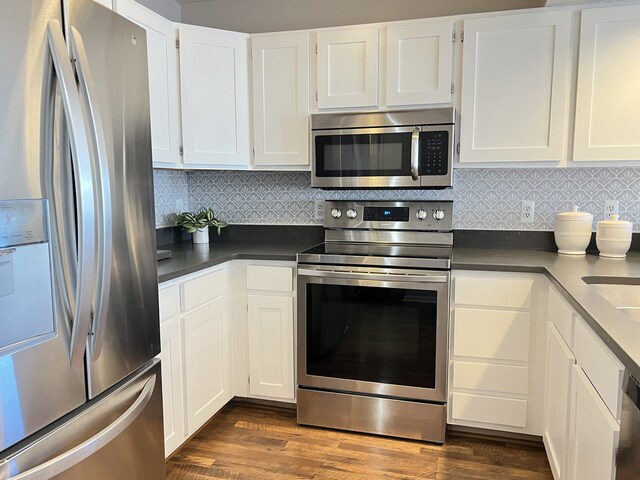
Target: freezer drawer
point(117, 436)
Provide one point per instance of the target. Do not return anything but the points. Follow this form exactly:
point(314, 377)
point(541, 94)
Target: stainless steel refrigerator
point(80, 391)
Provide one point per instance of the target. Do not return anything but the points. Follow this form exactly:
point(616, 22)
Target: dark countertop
point(618, 331)
point(187, 257)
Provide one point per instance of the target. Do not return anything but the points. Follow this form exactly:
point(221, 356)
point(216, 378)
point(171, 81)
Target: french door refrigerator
point(80, 391)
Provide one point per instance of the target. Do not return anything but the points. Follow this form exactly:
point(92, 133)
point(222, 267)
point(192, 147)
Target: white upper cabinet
point(163, 81)
point(348, 68)
point(214, 91)
point(515, 88)
point(281, 100)
point(419, 63)
point(608, 95)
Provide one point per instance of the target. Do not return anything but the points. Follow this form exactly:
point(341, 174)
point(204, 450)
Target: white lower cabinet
point(496, 351)
point(582, 398)
point(271, 346)
point(172, 384)
point(263, 329)
point(560, 362)
point(195, 352)
point(207, 362)
point(593, 433)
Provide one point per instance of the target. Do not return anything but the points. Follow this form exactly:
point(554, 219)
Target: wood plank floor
point(247, 441)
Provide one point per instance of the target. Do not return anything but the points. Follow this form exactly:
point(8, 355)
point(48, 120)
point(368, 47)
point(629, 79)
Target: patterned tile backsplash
point(485, 199)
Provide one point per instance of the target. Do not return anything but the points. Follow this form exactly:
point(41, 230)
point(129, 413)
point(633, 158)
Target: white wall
point(167, 8)
point(256, 16)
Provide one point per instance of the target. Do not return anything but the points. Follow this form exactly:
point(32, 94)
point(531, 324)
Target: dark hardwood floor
point(248, 441)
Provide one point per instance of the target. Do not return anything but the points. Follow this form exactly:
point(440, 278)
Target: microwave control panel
point(434, 146)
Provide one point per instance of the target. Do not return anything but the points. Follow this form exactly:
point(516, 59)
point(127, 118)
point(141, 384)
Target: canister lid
point(614, 222)
point(574, 215)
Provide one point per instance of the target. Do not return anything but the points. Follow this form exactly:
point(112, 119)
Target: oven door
point(366, 158)
point(373, 331)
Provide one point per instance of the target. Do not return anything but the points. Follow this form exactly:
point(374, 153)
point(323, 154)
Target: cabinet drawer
point(493, 378)
point(276, 279)
point(601, 366)
point(493, 410)
point(561, 315)
point(203, 289)
point(495, 334)
point(493, 292)
point(169, 301)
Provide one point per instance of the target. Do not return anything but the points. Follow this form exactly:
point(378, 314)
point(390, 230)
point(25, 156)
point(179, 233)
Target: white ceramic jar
point(613, 237)
point(573, 231)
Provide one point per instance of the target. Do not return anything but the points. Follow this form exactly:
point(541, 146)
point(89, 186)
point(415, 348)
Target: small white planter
point(201, 235)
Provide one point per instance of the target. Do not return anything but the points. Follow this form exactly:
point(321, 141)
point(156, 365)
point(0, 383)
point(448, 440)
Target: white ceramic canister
point(613, 237)
point(573, 231)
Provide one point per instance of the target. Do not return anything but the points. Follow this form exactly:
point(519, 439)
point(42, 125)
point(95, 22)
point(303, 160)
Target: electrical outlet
point(318, 210)
point(611, 207)
point(527, 210)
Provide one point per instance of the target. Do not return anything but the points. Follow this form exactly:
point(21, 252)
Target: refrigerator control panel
point(23, 222)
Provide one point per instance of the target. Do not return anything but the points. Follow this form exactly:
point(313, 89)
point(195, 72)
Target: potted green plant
point(198, 224)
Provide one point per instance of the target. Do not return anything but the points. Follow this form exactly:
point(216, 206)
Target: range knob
point(438, 214)
point(351, 213)
point(421, 214)
point(336, 213)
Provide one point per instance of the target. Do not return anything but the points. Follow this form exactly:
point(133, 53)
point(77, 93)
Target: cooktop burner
point(335, 253)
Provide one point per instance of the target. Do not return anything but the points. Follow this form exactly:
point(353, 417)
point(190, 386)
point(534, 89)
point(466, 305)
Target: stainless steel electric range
point(373, 304)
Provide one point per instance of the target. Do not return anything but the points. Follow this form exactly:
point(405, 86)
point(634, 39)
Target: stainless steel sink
point(621, 292)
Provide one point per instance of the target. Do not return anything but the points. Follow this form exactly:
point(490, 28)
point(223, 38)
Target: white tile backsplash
point(485, 199)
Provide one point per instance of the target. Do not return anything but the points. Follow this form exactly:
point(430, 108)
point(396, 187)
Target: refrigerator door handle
point(103, 194)
point(83, 191)
point(65, 461)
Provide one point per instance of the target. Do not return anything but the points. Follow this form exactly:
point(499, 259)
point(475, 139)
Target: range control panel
point(431, 216)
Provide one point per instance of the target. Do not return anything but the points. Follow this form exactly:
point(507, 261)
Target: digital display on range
point(389, 214)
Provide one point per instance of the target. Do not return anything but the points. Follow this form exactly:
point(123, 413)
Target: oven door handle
point(429, 278)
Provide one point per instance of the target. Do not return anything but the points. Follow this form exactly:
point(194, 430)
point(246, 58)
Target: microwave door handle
point(84, 193)
point(103, 194)
point(415, 153)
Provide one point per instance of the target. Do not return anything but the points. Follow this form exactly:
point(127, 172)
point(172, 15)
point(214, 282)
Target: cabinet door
point(106, 3)
point(593, 433)
point(207, 362)
point(515, 88)
point(172, 385)
point(419, 63)
point(163, 81)
point(214, 92)
point(560, 362)
point(608, 97)
point(348, 68)
point(271, 346)
point(281, 99)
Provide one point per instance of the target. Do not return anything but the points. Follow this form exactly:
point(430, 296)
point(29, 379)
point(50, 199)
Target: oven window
point(382, 335)
point(387, 154)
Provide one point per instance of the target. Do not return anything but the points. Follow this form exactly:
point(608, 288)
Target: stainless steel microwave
point(401, 149)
